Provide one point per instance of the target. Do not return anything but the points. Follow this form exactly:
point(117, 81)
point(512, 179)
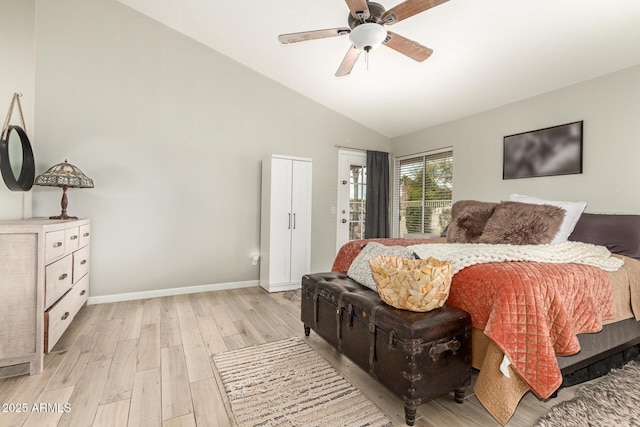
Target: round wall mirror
point(16, 160)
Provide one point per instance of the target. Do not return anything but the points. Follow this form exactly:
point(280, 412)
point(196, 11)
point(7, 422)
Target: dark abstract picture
point(545, 152)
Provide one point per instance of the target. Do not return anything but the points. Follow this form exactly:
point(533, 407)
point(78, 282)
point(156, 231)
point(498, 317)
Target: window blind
point(422, 193)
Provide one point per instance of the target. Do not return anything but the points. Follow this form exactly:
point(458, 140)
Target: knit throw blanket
point(464, 255)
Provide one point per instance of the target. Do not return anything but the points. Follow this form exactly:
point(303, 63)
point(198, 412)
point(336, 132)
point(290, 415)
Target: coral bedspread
point(533, 312)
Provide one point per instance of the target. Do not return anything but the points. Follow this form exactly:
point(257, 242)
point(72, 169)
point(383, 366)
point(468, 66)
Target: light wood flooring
point(146, 363)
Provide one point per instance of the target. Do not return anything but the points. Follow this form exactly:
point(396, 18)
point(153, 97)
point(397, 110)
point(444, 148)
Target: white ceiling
point(487, 53)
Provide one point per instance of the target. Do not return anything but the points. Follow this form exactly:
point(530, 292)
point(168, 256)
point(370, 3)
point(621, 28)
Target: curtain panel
point(377, 204)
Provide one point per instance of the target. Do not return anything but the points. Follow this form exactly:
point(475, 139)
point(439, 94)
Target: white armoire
point(285, 236)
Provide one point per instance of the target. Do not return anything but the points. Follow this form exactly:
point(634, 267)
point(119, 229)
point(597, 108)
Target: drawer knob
point(65, 315)
point(84, 291)
point(57, 244)
point(83, 262)
point(85, 235)
point(74, 237)
point(64, 276)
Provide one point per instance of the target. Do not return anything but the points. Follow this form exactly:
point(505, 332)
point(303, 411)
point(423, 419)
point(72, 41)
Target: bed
point(603, 324)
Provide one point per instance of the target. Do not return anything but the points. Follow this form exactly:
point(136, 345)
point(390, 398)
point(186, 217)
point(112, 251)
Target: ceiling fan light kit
point(366, 31)
point(368, 37)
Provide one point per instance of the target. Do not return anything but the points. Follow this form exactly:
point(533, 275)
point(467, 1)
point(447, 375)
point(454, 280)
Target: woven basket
point(412, 284)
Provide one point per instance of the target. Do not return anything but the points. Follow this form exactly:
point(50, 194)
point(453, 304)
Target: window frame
point(423, 157)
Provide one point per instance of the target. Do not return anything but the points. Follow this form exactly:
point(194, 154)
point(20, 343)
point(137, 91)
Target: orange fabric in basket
point(533, 312)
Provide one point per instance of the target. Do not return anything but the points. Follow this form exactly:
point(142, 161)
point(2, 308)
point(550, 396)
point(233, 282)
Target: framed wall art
point(550, 151)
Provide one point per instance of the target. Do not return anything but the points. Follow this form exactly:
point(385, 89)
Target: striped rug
point(286, 383)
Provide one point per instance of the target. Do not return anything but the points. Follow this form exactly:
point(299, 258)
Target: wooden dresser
point(44, 281)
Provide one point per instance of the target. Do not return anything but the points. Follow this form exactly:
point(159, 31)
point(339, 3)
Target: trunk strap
point(372, 340)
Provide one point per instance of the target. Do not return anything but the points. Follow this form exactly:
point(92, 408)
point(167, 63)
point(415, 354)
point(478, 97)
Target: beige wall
point(610, 108)
point(172, 134)
point(17, 18)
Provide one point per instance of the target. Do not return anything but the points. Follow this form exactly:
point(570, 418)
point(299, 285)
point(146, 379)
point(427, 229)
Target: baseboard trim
point(171, 291)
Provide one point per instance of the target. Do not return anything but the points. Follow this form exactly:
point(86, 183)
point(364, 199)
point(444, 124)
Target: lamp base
point(64, 203)
point(65, 216)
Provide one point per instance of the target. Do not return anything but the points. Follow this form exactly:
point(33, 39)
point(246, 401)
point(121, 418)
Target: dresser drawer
point(80, 263)
point(71, 239)
point(85, 234)
point(57, 279)
point(54, 245)
point(58, 317)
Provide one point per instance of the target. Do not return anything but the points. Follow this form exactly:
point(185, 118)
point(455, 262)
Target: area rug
point(287, 383)
point(612, 401)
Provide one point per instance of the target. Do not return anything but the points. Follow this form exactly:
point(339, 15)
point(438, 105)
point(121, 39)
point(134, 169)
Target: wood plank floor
point(147, 363)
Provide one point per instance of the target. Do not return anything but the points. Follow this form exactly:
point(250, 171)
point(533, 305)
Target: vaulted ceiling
point(487, 53)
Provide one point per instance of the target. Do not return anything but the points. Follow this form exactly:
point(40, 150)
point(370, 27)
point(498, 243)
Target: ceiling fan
point(366, 31)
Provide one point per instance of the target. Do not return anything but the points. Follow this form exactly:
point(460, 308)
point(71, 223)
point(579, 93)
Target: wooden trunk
point(418, 356)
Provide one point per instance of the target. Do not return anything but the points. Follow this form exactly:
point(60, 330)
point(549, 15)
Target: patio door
point(352, 185)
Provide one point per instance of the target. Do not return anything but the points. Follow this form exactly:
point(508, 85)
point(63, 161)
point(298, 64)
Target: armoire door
point(281, 220)
point(301, 220)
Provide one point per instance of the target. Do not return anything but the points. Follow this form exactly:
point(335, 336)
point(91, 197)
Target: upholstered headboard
point(618, 233)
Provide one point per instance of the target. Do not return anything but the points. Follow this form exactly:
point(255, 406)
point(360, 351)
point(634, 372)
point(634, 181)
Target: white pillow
point(573, 211)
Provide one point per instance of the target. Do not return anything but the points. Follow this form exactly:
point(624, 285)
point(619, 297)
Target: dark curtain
point(377, 214)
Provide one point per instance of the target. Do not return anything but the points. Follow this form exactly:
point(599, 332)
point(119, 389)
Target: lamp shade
point(64, 175)
point(368, 36)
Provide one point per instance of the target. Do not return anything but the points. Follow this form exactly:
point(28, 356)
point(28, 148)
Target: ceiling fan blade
point(348, 62)
point(359, 8)
point(405, 46)
point(407, 9)
point(312, 35)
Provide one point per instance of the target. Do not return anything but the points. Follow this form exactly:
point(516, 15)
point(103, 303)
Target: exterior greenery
point(425, 195)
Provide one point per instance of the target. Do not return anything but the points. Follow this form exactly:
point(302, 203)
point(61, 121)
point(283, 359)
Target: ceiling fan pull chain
point(366, 57)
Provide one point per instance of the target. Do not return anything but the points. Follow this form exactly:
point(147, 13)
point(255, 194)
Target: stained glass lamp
point(64, 175)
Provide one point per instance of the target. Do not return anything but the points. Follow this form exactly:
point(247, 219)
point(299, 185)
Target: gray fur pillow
point(468, 219)
point(517, 223)
point(360, 271)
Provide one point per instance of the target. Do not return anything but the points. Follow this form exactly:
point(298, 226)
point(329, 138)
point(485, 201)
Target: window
point(422, 194)
point(357, 201)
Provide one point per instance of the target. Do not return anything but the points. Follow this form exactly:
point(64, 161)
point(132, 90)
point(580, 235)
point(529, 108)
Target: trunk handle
point(437, 349)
